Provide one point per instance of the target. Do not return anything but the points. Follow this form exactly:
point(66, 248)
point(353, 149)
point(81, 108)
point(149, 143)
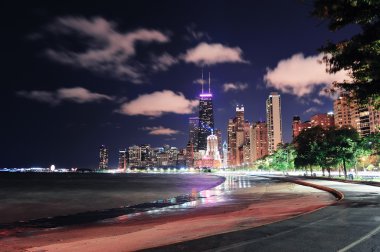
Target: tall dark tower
point(206, 116)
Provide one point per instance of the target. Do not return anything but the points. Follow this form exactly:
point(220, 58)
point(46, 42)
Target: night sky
point(77, 75)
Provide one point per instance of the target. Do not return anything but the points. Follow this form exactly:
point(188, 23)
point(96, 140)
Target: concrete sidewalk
point(352, 224)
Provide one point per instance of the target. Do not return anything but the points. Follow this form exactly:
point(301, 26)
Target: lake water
point(26, 196)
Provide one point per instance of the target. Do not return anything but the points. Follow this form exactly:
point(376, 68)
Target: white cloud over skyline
point(211, 54)
point(300, 75)
point(238, 86)
point(158, 103)
point(106, 50)
point(75, 94)
point(160, 130)
point(163, 62)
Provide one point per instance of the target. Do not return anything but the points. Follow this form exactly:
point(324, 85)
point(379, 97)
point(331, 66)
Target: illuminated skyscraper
point(122, 159)
point(274, 121)
point(134, 154)
point(193, 132)
point(145, 151)
point(349, 113)
point(259, 141)
point(103, 157)
point(206, 117)
point(218, 134)
point(238, 138)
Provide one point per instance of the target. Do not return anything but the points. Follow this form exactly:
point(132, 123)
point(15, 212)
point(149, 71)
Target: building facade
point(122, 164)
point(103, 157)
point(259, 140)
point(274, 122)
point(325, 120)
point(134, 154)
point(194, 131)
point(349, 113)
point(238, 138)
point(206, 120)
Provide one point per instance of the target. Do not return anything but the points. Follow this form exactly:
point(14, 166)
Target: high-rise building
point(134, 154)
point(238, 138)
point(194, 131)
point(259, 141)
point(298, 126)
point(218, 134)
point(231, 142)
point(349, 113)
point(103, 157)
point(189, 154)
point(122, 159)
point(274, 123)
point(345, 112)
point(324, 120)
point(374, 119)
point(173, 153)
point(145, 151)
point(206, 117)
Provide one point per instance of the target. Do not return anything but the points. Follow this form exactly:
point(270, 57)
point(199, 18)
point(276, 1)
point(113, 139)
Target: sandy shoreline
point(239, 209)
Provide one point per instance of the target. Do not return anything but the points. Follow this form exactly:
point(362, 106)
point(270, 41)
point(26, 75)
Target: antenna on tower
point(209, 83)
point(202, 82)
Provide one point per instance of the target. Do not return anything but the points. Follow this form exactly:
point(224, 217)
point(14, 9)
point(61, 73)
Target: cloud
point(75, 94)
point(158, 103)
point(199, 81)
point(160, 131)
point(234, 86)
point(318, 101)
point(311, 110)
point(210, 54)
point(299, 75)
point(106, 50)
point(39, 95)
point(163, 62)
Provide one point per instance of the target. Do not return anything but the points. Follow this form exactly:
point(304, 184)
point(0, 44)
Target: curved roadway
point(351, 224)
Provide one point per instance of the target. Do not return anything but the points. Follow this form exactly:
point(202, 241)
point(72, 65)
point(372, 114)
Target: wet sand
point(240, 203)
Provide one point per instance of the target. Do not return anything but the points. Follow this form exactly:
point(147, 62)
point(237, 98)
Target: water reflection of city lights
point(206, 198)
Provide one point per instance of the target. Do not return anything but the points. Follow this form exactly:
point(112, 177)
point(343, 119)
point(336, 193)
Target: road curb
point(337, 194)
point(370, 183)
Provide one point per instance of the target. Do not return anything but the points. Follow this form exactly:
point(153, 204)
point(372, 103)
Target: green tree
point(364, 149)
point(308, 145)
point(360, 54)
point(341, 145)
point(280, 158)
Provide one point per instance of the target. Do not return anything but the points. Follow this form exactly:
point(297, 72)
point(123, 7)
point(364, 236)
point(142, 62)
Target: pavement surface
point(351, 224)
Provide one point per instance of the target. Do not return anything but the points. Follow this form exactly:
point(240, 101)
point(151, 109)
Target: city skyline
point(79, 76)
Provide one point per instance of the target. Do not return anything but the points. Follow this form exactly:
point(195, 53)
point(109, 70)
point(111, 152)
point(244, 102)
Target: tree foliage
point(360, 54)
point(309, 145)
point(326, 147)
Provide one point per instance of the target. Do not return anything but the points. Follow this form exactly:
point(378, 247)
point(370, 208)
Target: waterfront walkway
point(351, 224)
